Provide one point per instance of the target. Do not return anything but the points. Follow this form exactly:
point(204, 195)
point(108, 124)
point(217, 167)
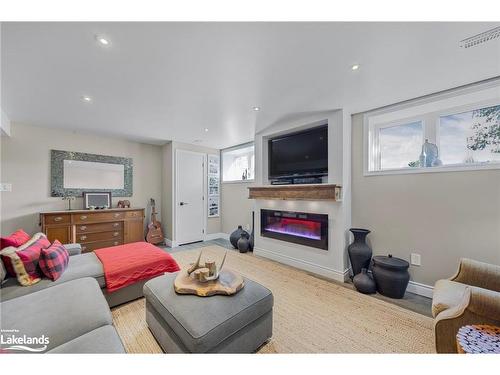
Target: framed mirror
point(73, 173)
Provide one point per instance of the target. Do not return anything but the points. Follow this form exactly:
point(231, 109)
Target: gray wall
point(25, 163)
point(442, 216)
point(236, 208)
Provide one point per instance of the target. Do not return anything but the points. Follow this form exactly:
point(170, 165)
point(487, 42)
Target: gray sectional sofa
point(71, 311)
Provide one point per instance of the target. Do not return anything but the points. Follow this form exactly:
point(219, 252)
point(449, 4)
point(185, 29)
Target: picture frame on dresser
point(97, 200)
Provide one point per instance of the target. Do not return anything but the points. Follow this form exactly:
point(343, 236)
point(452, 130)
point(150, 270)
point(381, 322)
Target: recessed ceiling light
point(102, 40)
point(206, 129)
point(355, 67)
point(256, 108)
point(86, 98)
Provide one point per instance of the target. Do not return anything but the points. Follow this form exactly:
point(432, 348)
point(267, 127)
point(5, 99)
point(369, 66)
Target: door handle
point(183, 203)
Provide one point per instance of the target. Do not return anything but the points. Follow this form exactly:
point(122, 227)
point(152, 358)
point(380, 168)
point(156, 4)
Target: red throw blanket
point(132, 262)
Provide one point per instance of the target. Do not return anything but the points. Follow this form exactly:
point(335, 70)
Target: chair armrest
point(73, 248)
point(477, 306)
point(479, 274)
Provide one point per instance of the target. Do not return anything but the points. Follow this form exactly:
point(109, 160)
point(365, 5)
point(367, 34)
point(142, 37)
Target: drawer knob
point(83, 238)
point(116, 243)
point(116, 234)
point(117, 214)
point(83, 227)
point(84, 248)
point(58, 218)
point(83, 217)
point(116, 225)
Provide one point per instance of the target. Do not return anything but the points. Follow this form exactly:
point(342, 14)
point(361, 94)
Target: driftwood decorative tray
point(228, 283)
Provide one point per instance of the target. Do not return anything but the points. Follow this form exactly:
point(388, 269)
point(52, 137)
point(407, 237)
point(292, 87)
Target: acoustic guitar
point(155, 234)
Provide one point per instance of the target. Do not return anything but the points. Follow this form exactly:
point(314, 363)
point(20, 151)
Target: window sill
point(238, 182)
point(449, 168)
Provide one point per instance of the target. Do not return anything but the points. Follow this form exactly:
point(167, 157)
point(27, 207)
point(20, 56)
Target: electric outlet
point(5, 187)
point(415, 259)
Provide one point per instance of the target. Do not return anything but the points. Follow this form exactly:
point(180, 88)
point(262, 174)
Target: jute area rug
point(311, 315)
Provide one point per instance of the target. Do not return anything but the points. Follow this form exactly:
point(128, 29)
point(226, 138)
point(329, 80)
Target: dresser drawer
point(101, 236)
point(99, 227)
point(57, 219)
point(134, 214)
point(88, 247)
point(97, 217)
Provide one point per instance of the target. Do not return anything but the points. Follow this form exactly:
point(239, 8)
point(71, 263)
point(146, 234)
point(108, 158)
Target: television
point(301, 154)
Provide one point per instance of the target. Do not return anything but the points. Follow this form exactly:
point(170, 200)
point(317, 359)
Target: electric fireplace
point(297, 227)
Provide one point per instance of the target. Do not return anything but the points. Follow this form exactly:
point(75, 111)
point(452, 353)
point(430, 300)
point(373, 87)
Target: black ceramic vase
point(391, 275)
point(251, 239)
point(364, 283)
point(235, 236)
point(360, 253)
point(244, 242)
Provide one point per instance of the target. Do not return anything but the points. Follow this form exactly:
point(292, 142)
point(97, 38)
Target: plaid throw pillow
point(31, 255)
point(54, 260)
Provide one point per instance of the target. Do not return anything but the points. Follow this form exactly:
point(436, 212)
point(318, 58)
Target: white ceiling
point(170, 81)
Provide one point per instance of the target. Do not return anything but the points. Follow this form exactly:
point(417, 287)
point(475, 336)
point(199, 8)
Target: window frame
point(431, 128)
point(240, 146)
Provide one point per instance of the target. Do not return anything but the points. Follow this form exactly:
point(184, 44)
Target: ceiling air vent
point(481, 38)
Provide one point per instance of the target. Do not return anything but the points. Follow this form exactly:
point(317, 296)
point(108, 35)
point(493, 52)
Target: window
point(238, 163)
point(470, 137)
point(400, 145)
point(456, 130)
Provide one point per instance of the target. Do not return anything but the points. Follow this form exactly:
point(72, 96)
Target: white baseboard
point(304, 265)
point(214, 236)
point(420, 289)
point(170, 243)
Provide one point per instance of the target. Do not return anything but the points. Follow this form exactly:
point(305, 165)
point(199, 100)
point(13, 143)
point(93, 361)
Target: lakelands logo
point(11, 341)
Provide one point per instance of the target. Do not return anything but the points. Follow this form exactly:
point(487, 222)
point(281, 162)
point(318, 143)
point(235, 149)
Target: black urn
point(244, 242)
point(235, 236)
point(391, 275)
point(360, 253)
point(364, 282)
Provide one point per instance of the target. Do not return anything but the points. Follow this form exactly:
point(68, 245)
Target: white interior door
point(190, 192)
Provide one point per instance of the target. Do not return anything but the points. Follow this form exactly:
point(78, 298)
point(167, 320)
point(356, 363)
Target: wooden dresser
point(94, 229)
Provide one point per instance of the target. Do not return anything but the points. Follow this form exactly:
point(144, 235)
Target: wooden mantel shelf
point(312, 192)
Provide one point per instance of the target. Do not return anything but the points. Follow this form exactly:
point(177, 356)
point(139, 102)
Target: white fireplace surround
point(333, 263)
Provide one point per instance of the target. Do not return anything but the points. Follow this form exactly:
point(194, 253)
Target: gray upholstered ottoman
point(240, 323)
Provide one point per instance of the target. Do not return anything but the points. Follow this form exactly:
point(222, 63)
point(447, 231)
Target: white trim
point(170, 243)
point(214, 236)
point(420, 289)
point(329, 273)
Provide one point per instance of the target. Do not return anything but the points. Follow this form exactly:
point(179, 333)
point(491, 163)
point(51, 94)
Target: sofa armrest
point(479, 274)
point(73, 248)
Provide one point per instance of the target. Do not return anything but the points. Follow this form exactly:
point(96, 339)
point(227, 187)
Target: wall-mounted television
point(301, 154)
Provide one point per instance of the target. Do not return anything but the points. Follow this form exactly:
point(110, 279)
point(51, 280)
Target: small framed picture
point(97, 200)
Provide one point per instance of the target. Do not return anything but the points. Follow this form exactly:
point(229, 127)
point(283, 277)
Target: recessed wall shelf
point(312, 192)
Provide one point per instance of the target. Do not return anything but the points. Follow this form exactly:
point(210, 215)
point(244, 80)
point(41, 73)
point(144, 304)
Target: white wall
point(332, 263)
point(236, 208)
point(25, 163)
point(442, 216)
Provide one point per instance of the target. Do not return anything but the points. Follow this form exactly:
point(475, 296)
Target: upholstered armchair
point(472, 296)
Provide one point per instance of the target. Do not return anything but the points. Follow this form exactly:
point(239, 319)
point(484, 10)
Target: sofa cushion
point(54, 260)
point(30, 257)
point(61, 313)
point(203, 323)
point(16, 239)
point(102, 340)
point(447, 294)
point(84, 265)
point(11, 260)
